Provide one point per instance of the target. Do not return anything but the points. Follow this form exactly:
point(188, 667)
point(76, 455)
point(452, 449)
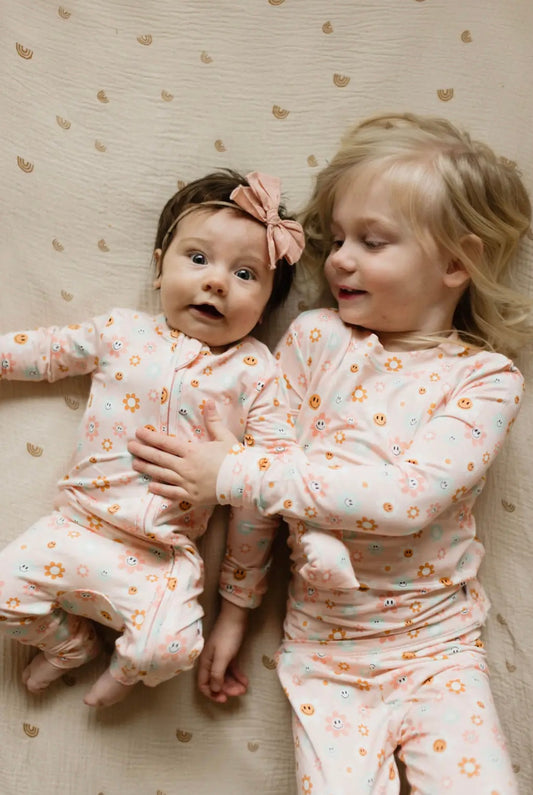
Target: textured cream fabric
point(105, 108)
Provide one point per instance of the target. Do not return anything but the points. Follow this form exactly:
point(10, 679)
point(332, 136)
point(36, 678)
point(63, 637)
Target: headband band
point(260, 199)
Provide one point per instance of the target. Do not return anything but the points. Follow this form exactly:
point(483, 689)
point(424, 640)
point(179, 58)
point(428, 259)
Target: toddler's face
point(215, 280)
point(382, 276)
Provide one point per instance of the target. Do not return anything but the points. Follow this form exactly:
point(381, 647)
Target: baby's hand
point(219, 674)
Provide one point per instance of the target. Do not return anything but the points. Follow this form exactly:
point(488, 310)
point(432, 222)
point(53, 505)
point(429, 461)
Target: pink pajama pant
point(353, 709)
point(60, 577)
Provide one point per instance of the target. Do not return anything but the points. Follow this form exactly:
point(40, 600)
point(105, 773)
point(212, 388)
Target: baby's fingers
point(205, 682)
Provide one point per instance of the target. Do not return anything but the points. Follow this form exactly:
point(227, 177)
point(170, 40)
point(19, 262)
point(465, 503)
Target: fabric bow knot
point(285, 238)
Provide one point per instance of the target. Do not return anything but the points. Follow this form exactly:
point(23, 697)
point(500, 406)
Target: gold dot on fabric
point(72, 403)
point(24, 52)
point(63, 123)
point(341, 81)
point(35, 450)
point(508, 506)
point(279, 113)
point(445, 94)
point(25, 165)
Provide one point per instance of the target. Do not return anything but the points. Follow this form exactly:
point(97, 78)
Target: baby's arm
point(48, 354)
point(219, 674)
point(243, 577)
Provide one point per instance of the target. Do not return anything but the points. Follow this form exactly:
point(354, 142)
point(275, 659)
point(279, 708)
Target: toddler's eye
point(336, 244)
point(245, 274)
point(373, 243)
point(198, 258)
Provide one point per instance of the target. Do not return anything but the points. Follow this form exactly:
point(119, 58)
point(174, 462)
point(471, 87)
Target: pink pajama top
point(144, 373)
point(393, 450)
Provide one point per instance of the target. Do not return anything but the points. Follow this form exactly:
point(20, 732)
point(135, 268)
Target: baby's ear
point(158, 264)
point(457, 272)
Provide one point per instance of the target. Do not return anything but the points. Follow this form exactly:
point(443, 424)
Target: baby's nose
point(216, 282)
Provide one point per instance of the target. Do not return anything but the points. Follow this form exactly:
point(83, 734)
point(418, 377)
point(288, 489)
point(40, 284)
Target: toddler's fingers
point(172, 493)
point(216, 428)
point(152, 455)
point(157, 472)
point(160, 441)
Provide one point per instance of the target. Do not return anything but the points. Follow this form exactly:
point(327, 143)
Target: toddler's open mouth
point(344, 292)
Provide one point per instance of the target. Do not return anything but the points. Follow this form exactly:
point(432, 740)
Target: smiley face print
point(307, 709)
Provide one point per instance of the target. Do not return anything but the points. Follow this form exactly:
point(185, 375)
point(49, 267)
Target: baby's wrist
point(229, 611)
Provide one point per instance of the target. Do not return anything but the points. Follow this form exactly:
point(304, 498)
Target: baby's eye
point(336, 244)
point(245, 273)
point(198, 258)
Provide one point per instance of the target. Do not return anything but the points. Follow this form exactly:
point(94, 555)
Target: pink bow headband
point(260, 199)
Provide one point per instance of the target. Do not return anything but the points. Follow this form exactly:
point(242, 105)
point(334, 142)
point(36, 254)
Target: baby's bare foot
point(106, 691)
point(40, 673)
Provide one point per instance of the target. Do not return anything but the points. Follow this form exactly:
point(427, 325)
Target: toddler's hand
point(183, 470)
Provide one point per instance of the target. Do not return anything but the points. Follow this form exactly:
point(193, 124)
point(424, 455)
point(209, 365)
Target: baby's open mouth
point(344, 291)
point(207, 309)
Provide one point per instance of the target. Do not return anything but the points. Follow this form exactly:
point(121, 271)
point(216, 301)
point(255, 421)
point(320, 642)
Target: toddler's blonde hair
point(447, 186)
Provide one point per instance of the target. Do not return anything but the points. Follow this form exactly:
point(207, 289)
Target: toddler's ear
point(457, 274)
point(158, 263)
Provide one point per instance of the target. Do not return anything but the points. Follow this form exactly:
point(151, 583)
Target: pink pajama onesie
point(381, 645)
point(113, 552)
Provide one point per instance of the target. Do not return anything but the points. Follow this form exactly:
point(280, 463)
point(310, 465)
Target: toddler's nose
point(343, 258)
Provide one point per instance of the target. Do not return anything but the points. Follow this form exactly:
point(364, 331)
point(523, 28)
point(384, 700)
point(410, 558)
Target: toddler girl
point(112, 552)
point(400, 399)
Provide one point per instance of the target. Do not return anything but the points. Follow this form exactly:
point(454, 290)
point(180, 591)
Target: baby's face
point(215, 279)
